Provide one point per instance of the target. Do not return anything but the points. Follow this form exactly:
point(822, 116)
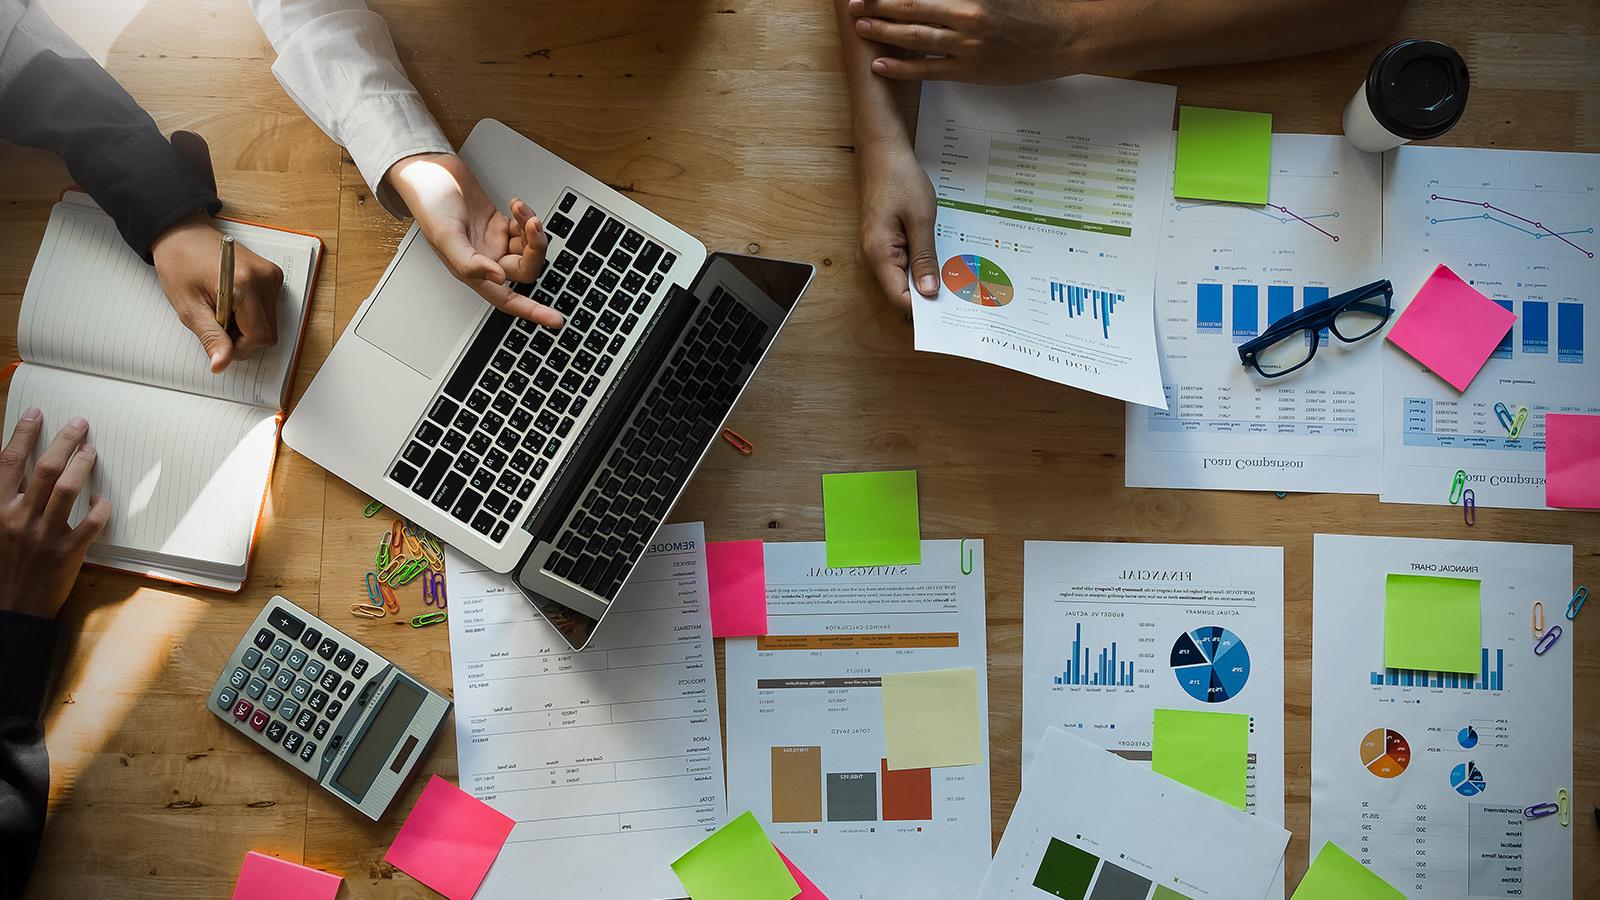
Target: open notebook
point(183, 455)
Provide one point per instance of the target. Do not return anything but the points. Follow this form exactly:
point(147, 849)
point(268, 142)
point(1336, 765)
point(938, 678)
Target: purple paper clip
point(1548, 641)
point(1540, 810)
point(433, 590)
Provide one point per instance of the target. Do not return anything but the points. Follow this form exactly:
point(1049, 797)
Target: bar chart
point(1105, 669)
point(803, 792)
point(1533, 320)
point(1099, 303)
point(1485, 680)
point(1248, 316)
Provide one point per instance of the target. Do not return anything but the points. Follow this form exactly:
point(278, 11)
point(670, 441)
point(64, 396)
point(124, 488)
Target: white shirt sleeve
point(337, 62)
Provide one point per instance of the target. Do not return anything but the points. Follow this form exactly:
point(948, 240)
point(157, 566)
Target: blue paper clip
point(1578, 596)
point(1469, 507)
point(433, 590)
point(1548, 641)
point(1518, 422)
point(1540, 810)
point(1457, 486)
point(372, 586)
point(1502, 413)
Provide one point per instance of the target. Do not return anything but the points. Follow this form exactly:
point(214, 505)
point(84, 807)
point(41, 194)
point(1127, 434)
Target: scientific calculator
point(347, 718)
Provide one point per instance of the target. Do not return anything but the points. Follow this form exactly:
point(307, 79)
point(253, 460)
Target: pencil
point(225, 284)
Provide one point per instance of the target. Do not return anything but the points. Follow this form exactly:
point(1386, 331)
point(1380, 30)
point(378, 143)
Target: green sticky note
point(736, 862)
point(1335, 875)
point(1223, 154)
point(932, 719)
point(1207, 751)
point(1432, 623)
point(870, 519)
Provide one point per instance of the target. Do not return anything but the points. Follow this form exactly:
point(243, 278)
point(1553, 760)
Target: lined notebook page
point(92, 305)
point(185, 474)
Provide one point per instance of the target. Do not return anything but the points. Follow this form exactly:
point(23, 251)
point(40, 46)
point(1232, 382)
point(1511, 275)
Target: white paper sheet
point(1520, 227)
point(1154, 625)
point(1050, 199)
point(1087, 813)
point(805, 717)
point(610, 759)
point(1391, 764)
point(1226, 271)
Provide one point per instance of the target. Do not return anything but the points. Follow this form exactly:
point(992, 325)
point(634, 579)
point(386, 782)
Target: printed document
point(806, 750)
point(609, 760)
point(1424, 776)
point(1089, 824)
point(1116, 631)
point(1050, 199)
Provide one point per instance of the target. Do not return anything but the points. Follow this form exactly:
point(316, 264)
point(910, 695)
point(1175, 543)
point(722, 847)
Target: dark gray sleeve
point(26, 646)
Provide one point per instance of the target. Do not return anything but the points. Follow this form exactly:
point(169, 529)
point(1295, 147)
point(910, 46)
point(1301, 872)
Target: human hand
point(897, 213)
point(187, 257)
point(477, 243)
point(40, 554)
point(981, 41)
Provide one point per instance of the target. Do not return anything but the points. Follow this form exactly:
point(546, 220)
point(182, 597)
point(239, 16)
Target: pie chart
point(1467, 737)
point(977, 280)
point(1385, 752)
point(1211, 663)
point(1467, 780)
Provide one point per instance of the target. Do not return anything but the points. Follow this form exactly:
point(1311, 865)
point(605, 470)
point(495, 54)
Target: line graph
point(1537, 232)
point(1280, 214)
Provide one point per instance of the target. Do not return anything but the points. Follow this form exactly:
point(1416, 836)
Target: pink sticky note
point(1572, 461)
point(449, 840)
point(264, 877)
point(1451, 328)
point(736, 575)
point(808, 891)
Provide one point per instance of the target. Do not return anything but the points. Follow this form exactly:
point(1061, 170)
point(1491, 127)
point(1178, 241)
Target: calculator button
point(239, 679)
point(313, 670)
point(251, 657)
point(321, 730)
point(309, 639)
point(259, 719)
point(301, 690)
point(272, 699)
point(307, 717)
point(345, 689)
point(358, 670)
point(308, 751)
point(327, 648)
point(284, 681)
point(361, 698)
point(242, 709)
point(317, 701)
point(297, 659)
point(344, 659)
point(337, 740)
point(330, 681)
point(291, 741)
point(267, 669)
point(254, 688)
point(280, 649)
point(275, 731)
point(288, 709)
point(333, 710)
point(263, 639)
point(286, 622)
point(225, 698)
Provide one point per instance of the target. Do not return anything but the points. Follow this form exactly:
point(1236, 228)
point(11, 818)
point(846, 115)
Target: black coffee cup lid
point(1417, 89)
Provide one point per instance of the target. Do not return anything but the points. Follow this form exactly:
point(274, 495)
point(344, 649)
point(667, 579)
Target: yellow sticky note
point(1432, 623)
point(1335, 875)
point(1207, 751)
point(932, 719)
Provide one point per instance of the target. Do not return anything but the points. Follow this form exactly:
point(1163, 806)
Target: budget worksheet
point(806, 750)
point(609, 760)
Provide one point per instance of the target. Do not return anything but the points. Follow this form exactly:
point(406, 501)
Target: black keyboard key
point(503, 361)
point(565, 427)
point(416, 454)
point(473, 362)
point(403, 474)
point(444, 409)
point(596, 300)
point(500, 530)
point(491, 380)
point(515, 341)
point(507, 440)
point(545, 379)
point(478, 443)
point(616, 344)
point(618, 261)
point(582, 319)
point(666, 262)
point(633, 282)
point(310, 638)
point(533, 440)
point(526, 490)
point(466, 463)
point(466, 420)
point(648, 256)
point(609, 279)
point(565, 261)
point(559, 225)
point(567, 200)
point(327, 648)
point(570, 381)
point(654, 283)
point(578, 404)
point(591, 264)
point(432, 472)
point(552, 448)
point(429, 433)
point(483, 523)
point(496, 501)
point(609, 234)
point(513, 509)
point(584, 361)
point(316, 701)
point(567, 304)
point(495, 460)
point(521, 461)
point(587, 226)
point(558, 359)
point(559, 400)
point(492, 422)
point(589, 386)
point(571, 336)
point(466, 505)
point(263, 639)
point(519, 421)
point(546, 422)
point(448, 489)
point(482, 480)
point(504, 403)
point(578, 284)
point(604, 365)
point(516, 383)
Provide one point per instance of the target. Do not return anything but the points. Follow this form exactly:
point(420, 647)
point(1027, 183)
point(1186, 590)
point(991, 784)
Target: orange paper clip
point(738, 441)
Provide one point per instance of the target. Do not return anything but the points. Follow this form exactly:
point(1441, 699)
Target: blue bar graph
point(1280, 302)
point(1316, 295)
point(1208, 298)
point(1503, 351)
point(1535, 326)
point(1248, 317)
point(1100, 303)
point(1246, 307)
point(1486, 680)
point(1569, 332)
point(1106, 669)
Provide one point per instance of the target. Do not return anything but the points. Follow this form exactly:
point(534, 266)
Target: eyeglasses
point(1291, 342)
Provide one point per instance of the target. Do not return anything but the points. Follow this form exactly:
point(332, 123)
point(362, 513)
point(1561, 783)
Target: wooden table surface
point(728, 117)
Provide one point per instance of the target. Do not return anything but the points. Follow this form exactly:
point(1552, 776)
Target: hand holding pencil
point(221, 291)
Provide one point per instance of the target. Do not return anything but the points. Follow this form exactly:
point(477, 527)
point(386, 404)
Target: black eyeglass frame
point(1316, 317)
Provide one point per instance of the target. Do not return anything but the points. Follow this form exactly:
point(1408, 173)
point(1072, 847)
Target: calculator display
point(378, 741)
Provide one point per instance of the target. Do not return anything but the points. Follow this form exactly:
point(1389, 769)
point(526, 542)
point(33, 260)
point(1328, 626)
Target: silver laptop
point(554, 454)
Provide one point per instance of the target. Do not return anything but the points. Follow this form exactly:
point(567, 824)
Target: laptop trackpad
point(421, 311)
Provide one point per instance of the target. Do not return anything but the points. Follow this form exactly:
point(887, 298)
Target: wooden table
point(728, 117)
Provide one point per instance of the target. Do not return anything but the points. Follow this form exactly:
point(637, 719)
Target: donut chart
point(1385, 752)
point(977, 280)
point(1210, 663)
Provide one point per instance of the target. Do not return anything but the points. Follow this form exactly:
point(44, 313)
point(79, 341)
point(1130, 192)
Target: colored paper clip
point(433, 590)
point(434, 557)
point(1469, 507)
point(396, 539)
point(1540, 810)
point(1457, 486)
point(1280, 494)
point(1563, 807)
point(372, 509)
point(387, 575)
point(1516, 424)
point(372, 585)
point(1538, 619)
point(1548, 641)
point(427, 618)
point(366, 611)
point(390, 601)
point(383, 556)
point(1578, 596)
point(738, 441)
point(406, 575)
point(429, 541)
point(1504, 415)
point(413, 546)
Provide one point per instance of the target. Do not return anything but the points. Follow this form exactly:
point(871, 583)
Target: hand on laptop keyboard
point(478, 244)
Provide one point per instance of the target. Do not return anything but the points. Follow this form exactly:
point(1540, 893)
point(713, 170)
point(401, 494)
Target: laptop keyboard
point(669, 429)
point(520, 391)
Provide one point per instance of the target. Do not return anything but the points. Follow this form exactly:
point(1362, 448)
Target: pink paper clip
point(390, 601)
point(433, 590)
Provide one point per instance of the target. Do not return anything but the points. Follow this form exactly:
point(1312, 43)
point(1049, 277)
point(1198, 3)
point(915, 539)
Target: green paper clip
point(383, 556)
point(372, 509)
point(966, 558)
point(408, 572)
point(1457, 486)
point(1518, 422)
point(427, 618)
